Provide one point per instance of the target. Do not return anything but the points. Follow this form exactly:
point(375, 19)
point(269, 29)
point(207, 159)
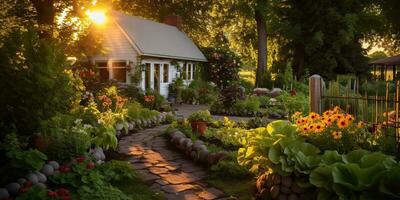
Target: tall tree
point(260, 17)
point(323, 36)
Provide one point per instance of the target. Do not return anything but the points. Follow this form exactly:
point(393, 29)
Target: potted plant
point(199, 120)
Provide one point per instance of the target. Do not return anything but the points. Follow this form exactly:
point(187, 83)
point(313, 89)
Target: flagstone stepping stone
point(177, 188)
point(139, 165)
point(210, 194)
point(158, 170)
point(162, 182)
point(179, 178)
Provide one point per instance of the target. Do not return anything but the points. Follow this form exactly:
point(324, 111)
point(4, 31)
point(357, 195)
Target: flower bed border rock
point(39, 178)
point(275, 186)
point(196, 150)
point(140, 124)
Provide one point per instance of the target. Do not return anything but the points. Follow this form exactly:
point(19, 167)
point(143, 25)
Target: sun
point(97, 16)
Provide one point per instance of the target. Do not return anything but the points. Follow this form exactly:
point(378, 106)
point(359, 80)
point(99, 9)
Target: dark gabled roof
point(394, 60)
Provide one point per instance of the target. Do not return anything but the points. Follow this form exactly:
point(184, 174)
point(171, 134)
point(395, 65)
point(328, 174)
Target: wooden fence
point(376, 103)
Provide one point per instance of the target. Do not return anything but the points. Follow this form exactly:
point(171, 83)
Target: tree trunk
point(45, 17)
point(298, 62)
point(261, 42)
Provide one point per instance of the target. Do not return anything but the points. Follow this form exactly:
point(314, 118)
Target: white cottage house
point(136, 45)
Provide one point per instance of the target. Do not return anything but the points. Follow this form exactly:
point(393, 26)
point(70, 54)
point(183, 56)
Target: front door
point(157, 77)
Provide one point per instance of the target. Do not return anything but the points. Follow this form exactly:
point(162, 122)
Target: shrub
point(202, 116)
point(66, 137)
point(152, 100)
point(136, 111)
point(230, 94)
point(34, 81)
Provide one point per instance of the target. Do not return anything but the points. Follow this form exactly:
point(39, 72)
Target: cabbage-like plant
point(358, 174)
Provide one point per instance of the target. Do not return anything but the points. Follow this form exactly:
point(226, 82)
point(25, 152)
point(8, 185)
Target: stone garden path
point(165, 169)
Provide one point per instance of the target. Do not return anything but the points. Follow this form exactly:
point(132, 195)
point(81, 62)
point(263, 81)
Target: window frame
point(165, 73)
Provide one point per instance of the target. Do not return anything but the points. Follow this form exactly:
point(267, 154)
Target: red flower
point(90, 165)
point(64, 169)
point(23, 189)
point(28, 184)
point(63, 192)
point(80, 159)
point(51, 194)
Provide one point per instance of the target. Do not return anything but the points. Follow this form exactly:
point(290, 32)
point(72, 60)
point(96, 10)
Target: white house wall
point(171, 75)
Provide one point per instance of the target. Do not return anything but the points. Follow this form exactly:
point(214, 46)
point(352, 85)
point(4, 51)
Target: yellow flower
point(336, 109)
point(343, 123)
point(305, 129)
point(360, 124)
point(299, 122)
point(336, 135)
point(313, 116)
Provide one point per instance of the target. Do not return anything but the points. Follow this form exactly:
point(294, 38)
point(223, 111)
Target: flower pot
point(199, 127)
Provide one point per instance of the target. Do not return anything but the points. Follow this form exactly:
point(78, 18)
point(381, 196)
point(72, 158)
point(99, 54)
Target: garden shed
point(386, 68)
point(159, 52)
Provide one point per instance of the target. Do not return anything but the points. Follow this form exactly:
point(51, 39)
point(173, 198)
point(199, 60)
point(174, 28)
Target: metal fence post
point(315, 87)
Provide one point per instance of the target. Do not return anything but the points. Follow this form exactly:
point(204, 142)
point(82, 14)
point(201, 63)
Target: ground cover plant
point(282, 150)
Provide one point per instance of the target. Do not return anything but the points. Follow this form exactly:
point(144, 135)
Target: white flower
point(78, 121)
point(86, 126)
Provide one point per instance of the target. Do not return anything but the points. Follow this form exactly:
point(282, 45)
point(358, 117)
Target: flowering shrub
point(222, 67)
point(334, 130)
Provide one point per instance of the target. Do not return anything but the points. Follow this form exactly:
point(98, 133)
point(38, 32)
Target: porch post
point(316, 87)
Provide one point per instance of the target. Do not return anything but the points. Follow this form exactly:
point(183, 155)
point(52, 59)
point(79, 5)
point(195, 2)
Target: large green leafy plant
point(277, 148)
point(359, 174)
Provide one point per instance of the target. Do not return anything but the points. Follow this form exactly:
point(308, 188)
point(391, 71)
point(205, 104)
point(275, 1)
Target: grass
point(138, 190)
point(243, 189)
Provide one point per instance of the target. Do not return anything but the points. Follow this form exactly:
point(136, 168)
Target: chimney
point(174, 20)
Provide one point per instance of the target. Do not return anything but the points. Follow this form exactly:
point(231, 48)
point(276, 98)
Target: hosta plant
point(360, 174)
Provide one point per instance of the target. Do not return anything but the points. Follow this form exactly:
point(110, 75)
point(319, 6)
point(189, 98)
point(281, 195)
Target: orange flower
point(336, 109)
point(343, 123)
point(349, 118)
point(305, 129)
point(360, 124)
point(313, 116)
point(299, 122)
point(329, 121)
point(336, 135)
point(311, 127)
point(339, 116)
point(319, 128)
point(327, 113)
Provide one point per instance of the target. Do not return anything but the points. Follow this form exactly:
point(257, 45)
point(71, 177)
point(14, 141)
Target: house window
point(166, 73)
point(119, 71)
point(104, 74)
point(190, 72)
point(193, 71)
point(184, 71)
